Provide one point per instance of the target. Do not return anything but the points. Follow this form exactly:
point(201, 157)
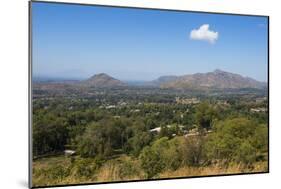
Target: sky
point(76, 42)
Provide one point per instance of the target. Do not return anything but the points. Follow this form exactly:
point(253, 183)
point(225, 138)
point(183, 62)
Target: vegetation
point(145, 133)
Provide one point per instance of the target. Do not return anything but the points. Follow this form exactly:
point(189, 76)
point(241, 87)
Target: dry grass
point(214, 170)
point(125, 168)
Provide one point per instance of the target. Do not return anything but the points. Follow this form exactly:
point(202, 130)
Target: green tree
point(102, 138)
point(163, 154)
point(193, 150)
point(236, 140)
point(139, 141)
point(151, 158)
point(50, 134)
point(204, 115)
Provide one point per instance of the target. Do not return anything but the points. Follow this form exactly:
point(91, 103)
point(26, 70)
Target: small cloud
point(204, 34)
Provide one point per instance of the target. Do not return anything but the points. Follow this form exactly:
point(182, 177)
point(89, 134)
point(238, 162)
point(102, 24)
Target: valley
point(116, 131)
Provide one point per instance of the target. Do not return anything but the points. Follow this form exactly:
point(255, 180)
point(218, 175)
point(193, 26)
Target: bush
point(86, 167)
point(57, 172)
point(163, 154)
point(100, 139)
point(237, 139)
point(151, 162)
point(139, 141)
point(193, 150)
point(173, 154)
point(246, 153)
point(127, 169)
point(260, 138)
point(205, 115)
point(50, 134)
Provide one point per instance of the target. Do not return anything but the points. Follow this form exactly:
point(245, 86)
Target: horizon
point(84, 78)
point(77, 42)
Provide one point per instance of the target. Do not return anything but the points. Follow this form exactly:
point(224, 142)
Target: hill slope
point(161, 80)
point(217, 79)
point(103, 80)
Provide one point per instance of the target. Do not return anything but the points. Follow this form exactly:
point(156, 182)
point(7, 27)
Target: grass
point(61, 170)
point(215, 170)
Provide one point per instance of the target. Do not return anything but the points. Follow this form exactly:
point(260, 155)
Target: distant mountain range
point(217, 79)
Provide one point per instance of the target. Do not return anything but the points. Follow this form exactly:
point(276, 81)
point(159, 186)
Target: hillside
point(103, 80)
point(217, 79)
point(163, 79)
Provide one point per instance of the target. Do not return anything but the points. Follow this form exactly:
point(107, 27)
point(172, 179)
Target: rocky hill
point(103, 80)
point(217, 79)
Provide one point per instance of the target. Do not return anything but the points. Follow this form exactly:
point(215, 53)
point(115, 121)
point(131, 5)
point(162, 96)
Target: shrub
point(163, 154)
point(139, 141)
point(193, 150)
point(57, 172)
point(127, 169)
point(246, 153)
point(237, 139)
point(152, 160)
point(86, 167)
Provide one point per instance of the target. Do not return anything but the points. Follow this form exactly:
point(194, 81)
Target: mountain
point(163, 79)
point(217, 79)
point(103, 80)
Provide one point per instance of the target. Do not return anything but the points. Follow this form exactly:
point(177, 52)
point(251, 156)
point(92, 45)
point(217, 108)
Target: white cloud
point(204, 34)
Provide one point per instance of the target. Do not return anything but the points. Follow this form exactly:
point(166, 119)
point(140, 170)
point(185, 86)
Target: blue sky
point(74, 41)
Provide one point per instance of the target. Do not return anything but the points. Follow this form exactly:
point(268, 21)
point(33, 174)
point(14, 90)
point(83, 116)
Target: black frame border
point(30, 50)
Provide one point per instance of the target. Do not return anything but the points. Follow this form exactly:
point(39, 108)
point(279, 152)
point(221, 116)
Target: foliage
point(204, 115)
point(102, 138)
point(139, 141)
point(49, 134)
point(193, 150)
point(236, 140)
point(117, 143)
point(86, 167)
point(163, 154)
